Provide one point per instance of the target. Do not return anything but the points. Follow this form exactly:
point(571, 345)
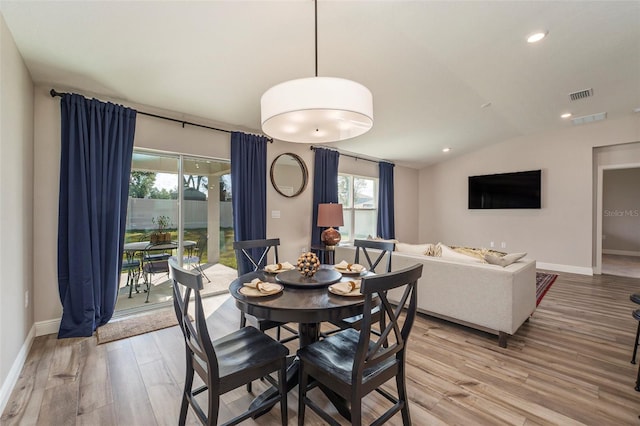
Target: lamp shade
point(330, 215)
point(316, 110)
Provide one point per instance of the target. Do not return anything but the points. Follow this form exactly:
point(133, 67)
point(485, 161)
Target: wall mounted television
point(518, 190)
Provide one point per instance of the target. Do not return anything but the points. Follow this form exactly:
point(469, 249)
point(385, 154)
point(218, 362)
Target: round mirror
point(289, 174)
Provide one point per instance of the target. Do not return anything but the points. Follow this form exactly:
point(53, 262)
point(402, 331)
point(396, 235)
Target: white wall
point(16, 211)
point(560, 235)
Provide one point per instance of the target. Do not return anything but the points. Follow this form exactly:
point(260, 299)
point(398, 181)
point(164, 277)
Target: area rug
point(133, 326)
point(543, 283)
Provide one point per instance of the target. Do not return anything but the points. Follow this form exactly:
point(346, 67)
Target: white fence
point(141, 211)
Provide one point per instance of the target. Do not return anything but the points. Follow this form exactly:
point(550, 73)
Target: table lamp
point(330, 215)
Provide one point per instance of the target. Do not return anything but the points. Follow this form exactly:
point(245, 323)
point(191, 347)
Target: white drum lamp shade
point(316, 110)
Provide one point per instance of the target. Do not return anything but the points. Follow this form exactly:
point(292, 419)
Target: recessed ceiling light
point(446, 149)
point(566, 115)
point(536, 37)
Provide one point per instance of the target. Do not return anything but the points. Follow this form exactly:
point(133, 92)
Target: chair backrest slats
point(196, 335)
point(398, 320)
point(256, 252)
point(385, 247)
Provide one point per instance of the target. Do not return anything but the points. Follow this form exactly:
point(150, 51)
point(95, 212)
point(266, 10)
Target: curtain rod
point(312, 148)
point(54, 93)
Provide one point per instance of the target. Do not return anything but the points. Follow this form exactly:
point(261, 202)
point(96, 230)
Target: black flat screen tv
point(518, 190)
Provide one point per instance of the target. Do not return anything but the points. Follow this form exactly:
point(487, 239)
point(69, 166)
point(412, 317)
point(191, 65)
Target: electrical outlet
point(503, 245)
point(26, 299)
point(492, 244)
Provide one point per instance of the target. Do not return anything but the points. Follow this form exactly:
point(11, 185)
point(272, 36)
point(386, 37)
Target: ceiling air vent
point(589, 118)
point(576, 96)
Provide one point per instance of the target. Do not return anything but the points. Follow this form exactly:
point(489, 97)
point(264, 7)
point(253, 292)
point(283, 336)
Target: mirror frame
point(303, 169)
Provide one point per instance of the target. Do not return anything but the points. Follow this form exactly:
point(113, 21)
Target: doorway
point(619, 220)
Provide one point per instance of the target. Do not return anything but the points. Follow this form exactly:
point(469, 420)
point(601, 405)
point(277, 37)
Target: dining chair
point(226, 363)
point(354, 363)
point(384, 250)
point(256, 254)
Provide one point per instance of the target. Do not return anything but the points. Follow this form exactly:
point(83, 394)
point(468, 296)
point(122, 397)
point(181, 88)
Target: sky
point(168, 181)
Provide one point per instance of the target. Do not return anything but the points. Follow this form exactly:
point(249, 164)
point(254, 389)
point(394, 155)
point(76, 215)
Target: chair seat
point(156, 257)
point(238, 358)
point(335, 355)
point(155, 267)
point(130, 265)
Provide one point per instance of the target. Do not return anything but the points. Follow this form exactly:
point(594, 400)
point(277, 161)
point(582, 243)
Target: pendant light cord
point(315, 4)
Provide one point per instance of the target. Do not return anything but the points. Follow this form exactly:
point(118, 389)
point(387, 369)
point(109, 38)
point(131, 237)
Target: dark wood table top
point(294, 304)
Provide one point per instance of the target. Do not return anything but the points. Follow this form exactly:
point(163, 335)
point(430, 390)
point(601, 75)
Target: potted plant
point(161, 234)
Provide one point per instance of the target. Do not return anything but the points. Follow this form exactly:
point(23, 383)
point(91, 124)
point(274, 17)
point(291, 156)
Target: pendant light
point(316, 109)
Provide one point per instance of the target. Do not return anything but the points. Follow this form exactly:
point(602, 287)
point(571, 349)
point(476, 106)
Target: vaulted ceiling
point(443, 74)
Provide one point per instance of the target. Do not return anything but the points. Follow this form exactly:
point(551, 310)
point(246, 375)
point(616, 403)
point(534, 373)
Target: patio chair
point(131, 266)
point(194, 258)
point(155, 261)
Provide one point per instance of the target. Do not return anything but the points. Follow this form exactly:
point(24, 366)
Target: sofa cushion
point(505, 260)
point(422, 249)
point(449, 253)
point(477, 252)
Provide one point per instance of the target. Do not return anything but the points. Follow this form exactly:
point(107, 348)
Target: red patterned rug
point(543, 283)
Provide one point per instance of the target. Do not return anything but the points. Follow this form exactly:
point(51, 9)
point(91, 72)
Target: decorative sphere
point(308, 264)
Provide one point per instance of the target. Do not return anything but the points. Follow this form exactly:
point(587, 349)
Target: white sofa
point(487, 297)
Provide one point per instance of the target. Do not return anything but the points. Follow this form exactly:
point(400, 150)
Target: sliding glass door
point(182, 206)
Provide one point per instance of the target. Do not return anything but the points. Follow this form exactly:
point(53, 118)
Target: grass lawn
point(227, 255)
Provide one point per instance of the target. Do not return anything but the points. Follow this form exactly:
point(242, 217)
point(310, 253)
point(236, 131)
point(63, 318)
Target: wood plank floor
point(568, 365)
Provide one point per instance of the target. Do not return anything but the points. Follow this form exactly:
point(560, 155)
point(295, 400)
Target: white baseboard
point(47, 327)
point(565, 268)
point(621, 252)
point(16, 368)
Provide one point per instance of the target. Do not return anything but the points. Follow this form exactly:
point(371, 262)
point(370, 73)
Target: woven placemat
point(134, 326)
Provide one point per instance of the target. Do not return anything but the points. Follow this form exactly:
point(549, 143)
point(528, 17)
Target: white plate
point(347, 272)
point(353, 293)
point(278, 271)
point(254, 292)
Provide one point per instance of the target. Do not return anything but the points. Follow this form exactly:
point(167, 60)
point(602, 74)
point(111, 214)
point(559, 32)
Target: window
point(359, 198)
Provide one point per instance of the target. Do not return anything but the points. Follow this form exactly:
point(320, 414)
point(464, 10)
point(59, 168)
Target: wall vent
point(581, 94)
point(589, 118)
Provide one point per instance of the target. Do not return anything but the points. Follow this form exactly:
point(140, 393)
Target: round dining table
point(308, 306)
